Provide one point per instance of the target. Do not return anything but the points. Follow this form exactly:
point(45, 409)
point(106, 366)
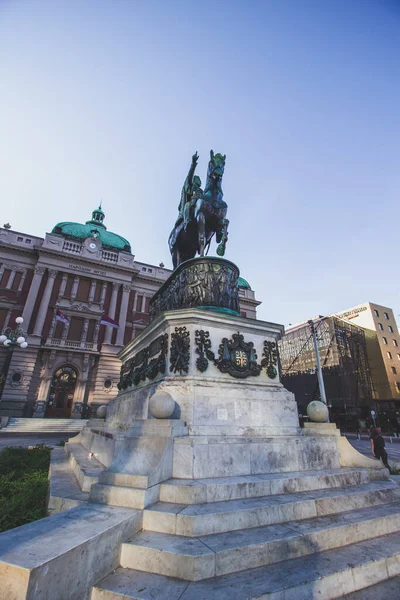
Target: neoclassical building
point(78, 272)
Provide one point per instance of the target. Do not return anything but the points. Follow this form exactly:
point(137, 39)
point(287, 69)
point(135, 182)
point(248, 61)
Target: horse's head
point(216, 166)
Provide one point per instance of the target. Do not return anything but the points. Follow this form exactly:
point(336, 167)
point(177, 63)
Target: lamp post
point(11, 338)
point(319, 368)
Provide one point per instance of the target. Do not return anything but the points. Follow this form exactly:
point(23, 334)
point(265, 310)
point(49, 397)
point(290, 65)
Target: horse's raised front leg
point(224, 237)
point(201, 229)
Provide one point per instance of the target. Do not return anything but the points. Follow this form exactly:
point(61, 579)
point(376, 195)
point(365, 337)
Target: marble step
point(86, 468)
point(195, 559)
point(199, 491)
point(217, 517)
point(25, 425)
point(327, 575)
point(385, 590)
point(129, 497)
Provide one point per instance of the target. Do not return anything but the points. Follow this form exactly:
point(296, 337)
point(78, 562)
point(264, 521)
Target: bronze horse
point(201, 213)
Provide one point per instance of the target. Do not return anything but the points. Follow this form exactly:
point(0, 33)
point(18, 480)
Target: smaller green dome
point(95, 227)
point(242, 283)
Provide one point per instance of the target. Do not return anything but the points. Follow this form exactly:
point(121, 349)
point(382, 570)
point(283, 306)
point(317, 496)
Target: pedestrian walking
point(378, 446)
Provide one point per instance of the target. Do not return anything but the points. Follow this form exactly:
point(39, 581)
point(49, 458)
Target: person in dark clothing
point(378, 446)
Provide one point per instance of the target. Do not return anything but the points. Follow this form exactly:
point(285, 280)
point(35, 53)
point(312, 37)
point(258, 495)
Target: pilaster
point(32, 295)
point(44, 303)
point(111, 313)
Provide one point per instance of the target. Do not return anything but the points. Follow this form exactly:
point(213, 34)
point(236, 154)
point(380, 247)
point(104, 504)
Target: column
point(7, 319)
point(22, 281)
point(63, 284)
point(84, 331)
point(74, 290)
point(103, 292)
point(2, 270)
point(96, 332)
point(32, 295)
point(143, 303)
point(44, 304)
point(135, 302)
point(53, 325)
point(11, 278)
point(122, 314)
point(92, 290)
point(65, 330)
point(111, 312)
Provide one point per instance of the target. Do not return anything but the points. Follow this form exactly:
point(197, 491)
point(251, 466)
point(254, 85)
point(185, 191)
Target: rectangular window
point(386, 316)
point(97, 293)
point(390, 328)
point(68, 287)
point(20, 239)
point(28, 241)
point(90, 333)
point(4, 279)
point(390, 354)
point(16, 282)
point(139, 304)
point(75, 329)
point(150, 270)
point(384, 340)
point(380, 326)
point(376, 313)
point(394, 370)
point(83, 289)
point(395, 343)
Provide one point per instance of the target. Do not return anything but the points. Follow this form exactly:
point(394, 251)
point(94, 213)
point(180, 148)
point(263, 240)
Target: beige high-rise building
point(383, 346)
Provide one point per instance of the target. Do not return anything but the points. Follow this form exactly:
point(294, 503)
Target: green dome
point(242, 283)
point(80, 231)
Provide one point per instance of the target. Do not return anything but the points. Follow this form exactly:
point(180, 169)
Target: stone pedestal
point(221, 370)
point(234, 415)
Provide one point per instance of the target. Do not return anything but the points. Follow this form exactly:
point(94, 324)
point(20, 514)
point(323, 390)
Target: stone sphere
point(317, 411)
point(161, 405)
point(101, 411)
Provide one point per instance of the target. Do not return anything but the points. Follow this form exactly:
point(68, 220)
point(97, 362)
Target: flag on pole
point(61, 317)
point(108, 321)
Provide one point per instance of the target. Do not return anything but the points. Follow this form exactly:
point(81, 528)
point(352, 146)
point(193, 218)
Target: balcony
point(70, 345)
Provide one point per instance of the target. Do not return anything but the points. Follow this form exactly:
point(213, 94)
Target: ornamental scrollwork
point(180, 351)
point(146, 364)
point(270, 359)
point(203, 349)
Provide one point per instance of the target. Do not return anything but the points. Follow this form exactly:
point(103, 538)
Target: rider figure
point(191, 191)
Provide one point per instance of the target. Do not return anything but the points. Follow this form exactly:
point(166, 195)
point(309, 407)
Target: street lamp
point(11, 338)
point(14, 337)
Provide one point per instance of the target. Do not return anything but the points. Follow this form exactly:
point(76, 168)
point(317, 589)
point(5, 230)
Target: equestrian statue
point(201, 213)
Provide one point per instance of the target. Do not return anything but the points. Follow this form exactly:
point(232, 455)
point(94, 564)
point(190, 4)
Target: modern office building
point(343, 355)
point(63, 285)
point(359, 349)
point(383, 347)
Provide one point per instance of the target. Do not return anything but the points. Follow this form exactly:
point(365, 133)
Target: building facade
point(81, 272)
point(383, 342)
point(359, 350)
point(343, 354)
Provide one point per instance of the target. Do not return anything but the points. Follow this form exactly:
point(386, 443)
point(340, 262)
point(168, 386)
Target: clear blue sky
point(109, 99)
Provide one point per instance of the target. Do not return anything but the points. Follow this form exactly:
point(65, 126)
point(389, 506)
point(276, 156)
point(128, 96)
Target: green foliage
point(23, 485)
point(61, 443)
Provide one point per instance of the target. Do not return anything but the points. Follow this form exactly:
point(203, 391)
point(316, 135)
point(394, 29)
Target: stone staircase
point(38, 426)
point(287, 536)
